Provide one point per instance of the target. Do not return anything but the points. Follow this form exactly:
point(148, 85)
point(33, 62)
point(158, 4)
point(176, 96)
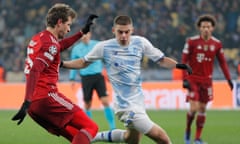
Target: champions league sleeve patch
point(53, 50)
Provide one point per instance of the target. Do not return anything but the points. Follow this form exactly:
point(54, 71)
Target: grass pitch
point(222, 127)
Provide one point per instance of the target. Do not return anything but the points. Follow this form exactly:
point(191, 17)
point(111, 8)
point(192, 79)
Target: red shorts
point(56, 112)
point(200, 91)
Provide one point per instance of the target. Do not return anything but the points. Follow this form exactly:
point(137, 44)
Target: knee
point(87, 105)
point(93, 129)
point(159, 135)
point(132, 138)
point(105, 101)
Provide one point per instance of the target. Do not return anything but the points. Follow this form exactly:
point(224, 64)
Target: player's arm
point(167, 62)
point(171, 63)
point(37, 68)
point(185, 60)
point(185, 83)
point(75, 64)
point(67, 42)
point(224, 67)
point(95, 54)
point(31, 81)
point(185, 55)
point(158, 56)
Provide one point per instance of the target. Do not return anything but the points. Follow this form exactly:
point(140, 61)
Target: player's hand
point(230, 83)
point(186, 84)
point(22, 112)
point(184, 67)
point(61, 64)
point(88, 24)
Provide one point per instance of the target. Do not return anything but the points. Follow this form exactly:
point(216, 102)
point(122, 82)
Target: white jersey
point(123, 66)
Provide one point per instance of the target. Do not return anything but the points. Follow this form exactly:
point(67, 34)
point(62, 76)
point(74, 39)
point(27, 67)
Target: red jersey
point(200, 55)
point(45, 47)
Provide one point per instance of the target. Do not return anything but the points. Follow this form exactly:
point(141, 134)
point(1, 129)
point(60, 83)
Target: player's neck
point(53, 31)
point(206, 37)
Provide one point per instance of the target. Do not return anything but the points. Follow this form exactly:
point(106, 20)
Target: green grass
point(222, 127)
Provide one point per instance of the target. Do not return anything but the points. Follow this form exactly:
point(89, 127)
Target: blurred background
point(166, 23)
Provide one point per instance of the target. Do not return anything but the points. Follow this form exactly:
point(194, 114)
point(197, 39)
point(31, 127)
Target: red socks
point(190, 118)
point(199, 125)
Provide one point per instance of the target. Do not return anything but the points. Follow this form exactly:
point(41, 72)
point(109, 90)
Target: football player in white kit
point(122, 56)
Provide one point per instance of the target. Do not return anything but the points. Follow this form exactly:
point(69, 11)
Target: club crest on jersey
point(212, 47)
point(53, 50)
point(205, 47)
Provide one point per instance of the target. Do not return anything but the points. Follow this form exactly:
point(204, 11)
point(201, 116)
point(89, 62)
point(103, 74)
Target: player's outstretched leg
point(115, 135)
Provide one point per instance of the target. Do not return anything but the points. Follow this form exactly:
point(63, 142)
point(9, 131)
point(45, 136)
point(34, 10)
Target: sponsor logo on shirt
point(200, 57)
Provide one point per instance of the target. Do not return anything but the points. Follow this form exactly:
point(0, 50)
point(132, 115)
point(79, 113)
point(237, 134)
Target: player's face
point(206, 29)
point(123, 33)
point(64, 28)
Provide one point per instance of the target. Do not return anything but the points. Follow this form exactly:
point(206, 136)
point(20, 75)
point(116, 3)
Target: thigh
point(100, 86)
point(87, 87)
point(53, 112)
point(136, 120)
point(193, 94)
point(206, 92)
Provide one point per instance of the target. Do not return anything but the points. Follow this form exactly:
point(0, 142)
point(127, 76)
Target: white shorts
point(135, 120)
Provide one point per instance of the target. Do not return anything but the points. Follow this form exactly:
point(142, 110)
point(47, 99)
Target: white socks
point(115, 135)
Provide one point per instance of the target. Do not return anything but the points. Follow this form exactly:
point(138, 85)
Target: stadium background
point(166, 23)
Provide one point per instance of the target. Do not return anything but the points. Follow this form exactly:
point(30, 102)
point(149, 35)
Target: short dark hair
point(122, 20)
point(59, 11)
point(206, 18)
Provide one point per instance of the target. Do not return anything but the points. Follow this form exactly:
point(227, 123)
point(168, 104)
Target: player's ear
point(59, 21)
point(113, 30)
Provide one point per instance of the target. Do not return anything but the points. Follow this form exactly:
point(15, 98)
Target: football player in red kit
point(199, 52)
point(43, 101)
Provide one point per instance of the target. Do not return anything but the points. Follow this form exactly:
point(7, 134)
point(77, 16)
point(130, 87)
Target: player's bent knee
point(132, 137)
point(158, 135)
point(132, 140)
point(93, 129)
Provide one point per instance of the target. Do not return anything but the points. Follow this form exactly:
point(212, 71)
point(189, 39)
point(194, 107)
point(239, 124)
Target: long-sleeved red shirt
point(42, 63)
point(200, 55)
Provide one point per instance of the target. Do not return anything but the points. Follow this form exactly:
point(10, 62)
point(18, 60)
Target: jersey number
point(29, 62)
